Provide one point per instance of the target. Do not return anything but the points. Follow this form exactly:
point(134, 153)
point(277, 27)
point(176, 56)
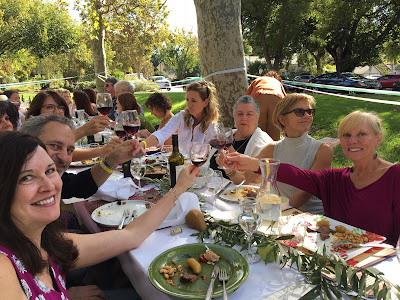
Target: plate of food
point(185, 271)
point(83, 163)
point(110, 214)
point(321, 229)
point(243, 191)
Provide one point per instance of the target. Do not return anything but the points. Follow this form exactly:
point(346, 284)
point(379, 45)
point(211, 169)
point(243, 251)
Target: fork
point(223, 276)
point(361, 245)
point(125, 214)
point(234, 190)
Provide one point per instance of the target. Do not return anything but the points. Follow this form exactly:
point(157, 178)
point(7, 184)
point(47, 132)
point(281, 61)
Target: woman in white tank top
point(294, 115)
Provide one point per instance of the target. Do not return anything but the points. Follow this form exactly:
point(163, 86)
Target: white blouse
point(186, 136)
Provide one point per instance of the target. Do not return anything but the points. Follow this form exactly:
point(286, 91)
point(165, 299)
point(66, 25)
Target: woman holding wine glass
point(127, 101)
point(192, 123)
point(247, 139)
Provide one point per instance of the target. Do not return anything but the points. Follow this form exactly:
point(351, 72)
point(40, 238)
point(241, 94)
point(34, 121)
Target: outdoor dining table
point(264, 281)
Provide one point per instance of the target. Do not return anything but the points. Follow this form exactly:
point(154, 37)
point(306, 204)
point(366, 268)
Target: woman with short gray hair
point(249, 139)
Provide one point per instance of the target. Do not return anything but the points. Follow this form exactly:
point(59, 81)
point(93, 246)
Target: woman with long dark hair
point(34, 254)
point(82, 101)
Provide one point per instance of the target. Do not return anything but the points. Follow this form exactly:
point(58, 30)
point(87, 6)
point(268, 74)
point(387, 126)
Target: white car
point(163, 83)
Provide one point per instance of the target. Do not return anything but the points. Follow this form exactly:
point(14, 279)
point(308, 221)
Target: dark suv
point(347, 79)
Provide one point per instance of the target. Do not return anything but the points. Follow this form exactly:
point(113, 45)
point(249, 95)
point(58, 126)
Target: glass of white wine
point(138, 168)
point(249, 219)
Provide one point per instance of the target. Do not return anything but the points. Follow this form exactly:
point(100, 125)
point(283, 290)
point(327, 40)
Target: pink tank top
point(33, 287)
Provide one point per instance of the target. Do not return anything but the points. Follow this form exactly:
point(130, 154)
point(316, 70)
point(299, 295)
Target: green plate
point(230, 259)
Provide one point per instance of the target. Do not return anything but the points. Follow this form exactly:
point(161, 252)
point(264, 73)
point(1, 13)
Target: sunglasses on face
point(299, 112)
point(52, 107)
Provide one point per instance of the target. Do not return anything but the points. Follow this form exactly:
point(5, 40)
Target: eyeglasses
point(108, 85)
point(51, 107)
point(299, 112)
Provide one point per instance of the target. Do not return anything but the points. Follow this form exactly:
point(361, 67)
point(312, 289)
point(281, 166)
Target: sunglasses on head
point(299, 112)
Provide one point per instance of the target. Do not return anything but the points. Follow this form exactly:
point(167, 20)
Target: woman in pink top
point(365, 195)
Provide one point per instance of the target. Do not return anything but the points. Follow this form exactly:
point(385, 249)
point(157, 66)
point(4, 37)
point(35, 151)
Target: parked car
point(163, 83)
point(190, 80)
point(304, 78)
point(387, 81)
point(346, 79)
point(396, 86)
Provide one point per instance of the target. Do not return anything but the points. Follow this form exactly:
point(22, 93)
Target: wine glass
point(130, 121)
point(228, 141)
point(138, 168)
point(118, 127)
point(104, 103)
point(398, 249)
point(249, 220)
point(199, 153)
point(214, 186)
point(217, 136)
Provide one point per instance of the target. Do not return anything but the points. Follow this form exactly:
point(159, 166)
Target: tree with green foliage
point(355, 31)
point(274, 28)
point(181, 52)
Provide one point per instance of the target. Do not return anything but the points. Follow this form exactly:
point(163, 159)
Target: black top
point(239, 146)
point(79, 185)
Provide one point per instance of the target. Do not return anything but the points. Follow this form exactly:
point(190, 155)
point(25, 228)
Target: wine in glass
point(199, 153)
point(138, 168)
point(228, 141)
point(130, 121)
point(104, 103)
point(217, 138)
point(249, 220)
point(118, 127)
point(214, 186)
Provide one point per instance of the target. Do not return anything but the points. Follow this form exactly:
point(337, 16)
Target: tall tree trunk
point(221, 48)
point(99, 55)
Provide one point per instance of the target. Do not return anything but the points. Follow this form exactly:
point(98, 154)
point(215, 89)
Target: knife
point(132, 216)
point(223, 188)
point(210, 289)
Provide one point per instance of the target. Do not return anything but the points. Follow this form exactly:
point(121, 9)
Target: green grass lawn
point(330, 111)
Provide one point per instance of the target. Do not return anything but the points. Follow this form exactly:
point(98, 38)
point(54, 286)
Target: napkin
point(184, 204)
point(112, 189)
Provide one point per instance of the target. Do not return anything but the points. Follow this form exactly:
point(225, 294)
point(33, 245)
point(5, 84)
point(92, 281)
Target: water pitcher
point(268, 197)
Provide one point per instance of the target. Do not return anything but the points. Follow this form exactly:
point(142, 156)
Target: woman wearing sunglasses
point(294, 115)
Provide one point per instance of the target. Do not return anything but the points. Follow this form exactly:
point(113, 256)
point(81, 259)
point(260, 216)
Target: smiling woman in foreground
point(365, 195)
point(34, 254)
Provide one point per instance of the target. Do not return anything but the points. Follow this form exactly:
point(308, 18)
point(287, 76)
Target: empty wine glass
point(398, 249)
point(104, 103)
point(138, 168)
point(118, 127)
point(214, 186)
point(249, 220)
point(166, 151)
point(199, 153)
point(130, 121)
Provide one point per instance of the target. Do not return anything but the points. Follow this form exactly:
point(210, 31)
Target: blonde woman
point(192, 123)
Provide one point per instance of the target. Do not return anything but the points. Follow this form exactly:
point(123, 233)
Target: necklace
point(244, 143)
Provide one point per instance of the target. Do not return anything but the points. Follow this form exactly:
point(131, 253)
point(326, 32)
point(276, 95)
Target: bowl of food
point(205, 176)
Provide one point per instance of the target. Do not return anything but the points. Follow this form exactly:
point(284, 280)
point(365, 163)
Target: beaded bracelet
point(231, 173)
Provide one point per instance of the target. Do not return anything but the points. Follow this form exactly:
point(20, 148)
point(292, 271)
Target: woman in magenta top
point(365, 195)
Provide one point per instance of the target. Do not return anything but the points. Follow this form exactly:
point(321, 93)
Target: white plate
point(110, 214)
point(312, 240)
point(235, 198)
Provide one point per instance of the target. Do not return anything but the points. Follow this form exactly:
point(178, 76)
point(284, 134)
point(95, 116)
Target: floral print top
point(33, 287)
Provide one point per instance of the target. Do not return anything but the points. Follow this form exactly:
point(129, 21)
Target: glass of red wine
point(217, 134)
point(199, 153)
point(104, 103)
point(118, 127)
point(130, 122)
point(228, 134)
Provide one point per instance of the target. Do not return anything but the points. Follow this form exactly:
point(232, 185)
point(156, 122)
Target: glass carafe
point(268, 197)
